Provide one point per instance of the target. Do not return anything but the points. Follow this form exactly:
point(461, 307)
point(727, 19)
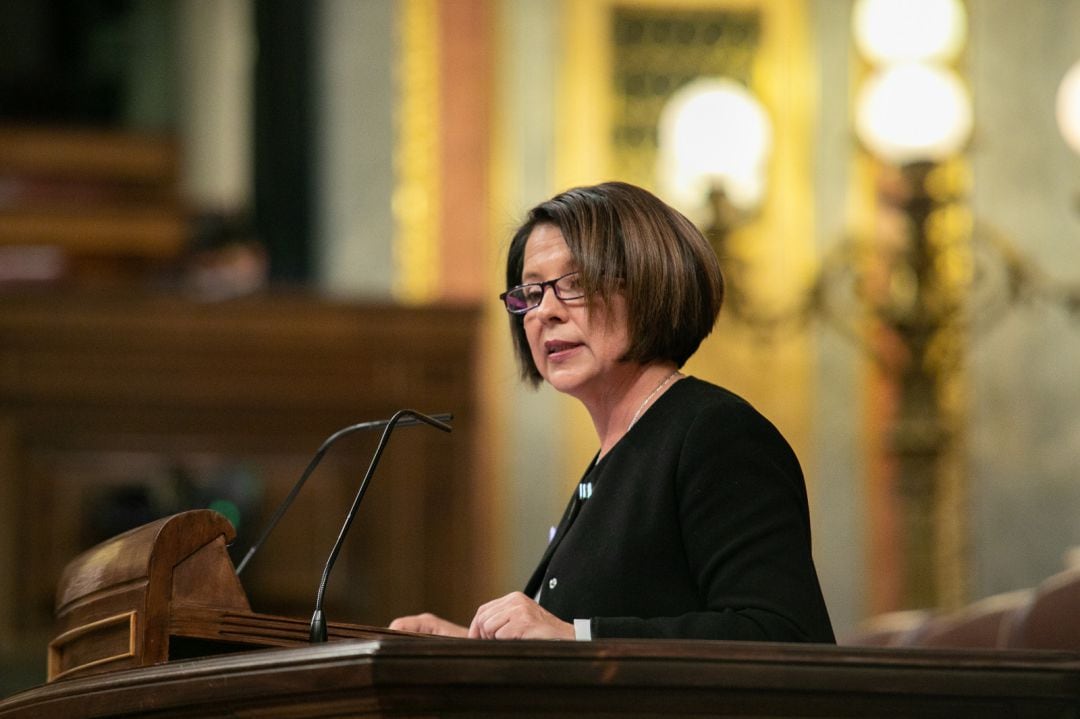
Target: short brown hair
point(624, 238)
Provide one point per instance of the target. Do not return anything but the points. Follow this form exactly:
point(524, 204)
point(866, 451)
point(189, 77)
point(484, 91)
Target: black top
point(697, 527)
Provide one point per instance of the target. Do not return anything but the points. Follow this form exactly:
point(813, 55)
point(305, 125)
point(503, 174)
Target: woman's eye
point(532, 294)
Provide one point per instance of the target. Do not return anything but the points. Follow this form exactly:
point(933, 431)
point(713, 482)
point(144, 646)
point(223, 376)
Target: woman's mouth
point(557, 348)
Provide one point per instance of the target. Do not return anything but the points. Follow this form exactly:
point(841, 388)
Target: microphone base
point(318, 627)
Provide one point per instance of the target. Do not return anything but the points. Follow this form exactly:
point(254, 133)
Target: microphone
point(413, 419)
point(318, 620)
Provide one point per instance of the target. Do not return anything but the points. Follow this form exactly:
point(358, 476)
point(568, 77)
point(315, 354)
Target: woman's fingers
point(513, 616)
point(428, 623)
point(516, 616)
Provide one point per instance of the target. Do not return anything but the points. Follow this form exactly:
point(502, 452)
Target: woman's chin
point(563, 380)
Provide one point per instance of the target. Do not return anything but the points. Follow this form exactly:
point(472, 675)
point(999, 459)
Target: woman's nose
point(550, 307)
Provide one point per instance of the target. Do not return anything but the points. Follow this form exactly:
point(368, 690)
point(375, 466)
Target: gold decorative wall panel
point(657, 51)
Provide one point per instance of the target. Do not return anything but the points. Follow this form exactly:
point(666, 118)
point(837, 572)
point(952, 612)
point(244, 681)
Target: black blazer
point(697, 527)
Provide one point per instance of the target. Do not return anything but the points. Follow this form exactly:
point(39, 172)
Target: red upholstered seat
point(978, 625)
point(1052, 619)
point(893, 629)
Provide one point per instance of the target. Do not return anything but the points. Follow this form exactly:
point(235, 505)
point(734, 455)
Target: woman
point(692, 520)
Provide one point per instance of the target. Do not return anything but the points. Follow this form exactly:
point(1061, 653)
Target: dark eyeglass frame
point(553, 284)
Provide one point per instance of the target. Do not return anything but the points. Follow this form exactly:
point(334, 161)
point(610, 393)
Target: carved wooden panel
point(114, 407)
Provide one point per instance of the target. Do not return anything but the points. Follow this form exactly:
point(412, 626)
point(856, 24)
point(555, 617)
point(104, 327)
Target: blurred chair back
point(1052, 619)
point(892, 629)
point(978, 625)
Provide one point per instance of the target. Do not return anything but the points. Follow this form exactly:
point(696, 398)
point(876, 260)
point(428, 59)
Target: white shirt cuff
point(583, 630)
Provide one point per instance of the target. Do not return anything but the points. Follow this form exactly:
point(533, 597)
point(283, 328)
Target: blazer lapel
point(572, 509)
point(533, 585)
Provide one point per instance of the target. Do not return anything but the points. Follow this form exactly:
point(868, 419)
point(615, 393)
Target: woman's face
point(577, 353)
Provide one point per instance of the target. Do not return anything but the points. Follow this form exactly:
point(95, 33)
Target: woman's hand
point(515, 616)
point(429, 624)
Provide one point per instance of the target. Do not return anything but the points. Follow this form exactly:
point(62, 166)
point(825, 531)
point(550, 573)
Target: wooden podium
point(164, 591)
point(154, 623)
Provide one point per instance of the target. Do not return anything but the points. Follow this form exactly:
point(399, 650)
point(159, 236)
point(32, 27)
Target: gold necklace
point(652, 394)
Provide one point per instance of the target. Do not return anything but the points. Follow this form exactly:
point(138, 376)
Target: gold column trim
point(583, 105)
point(416, 153)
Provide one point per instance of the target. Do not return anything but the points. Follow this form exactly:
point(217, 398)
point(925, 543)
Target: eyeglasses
point(523, 298)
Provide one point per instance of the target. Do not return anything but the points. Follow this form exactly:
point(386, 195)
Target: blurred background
point(230, 227)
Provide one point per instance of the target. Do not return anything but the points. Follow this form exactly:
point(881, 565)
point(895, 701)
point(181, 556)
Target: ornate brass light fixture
point(913, 292)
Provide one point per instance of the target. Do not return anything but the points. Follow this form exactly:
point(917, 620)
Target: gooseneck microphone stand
point(318, 619)
point(408, 418)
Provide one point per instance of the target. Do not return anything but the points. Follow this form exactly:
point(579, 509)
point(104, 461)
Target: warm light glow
point(1068, 107)
point(714, 133)
point(889, 31)
point(913, 112)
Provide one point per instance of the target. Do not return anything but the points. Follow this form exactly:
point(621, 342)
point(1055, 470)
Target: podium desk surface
point(440, 677)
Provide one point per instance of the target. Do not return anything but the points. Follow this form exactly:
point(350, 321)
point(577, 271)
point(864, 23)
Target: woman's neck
point(627, 399)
